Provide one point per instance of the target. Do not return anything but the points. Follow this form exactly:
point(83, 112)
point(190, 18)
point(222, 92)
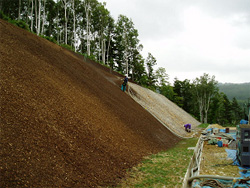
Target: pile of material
point(215, 134)
point(218, 167)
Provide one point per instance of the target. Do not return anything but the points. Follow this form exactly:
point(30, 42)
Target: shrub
point(21, 24)
point(51, 39)
point(18, 23)
point(92, 57)
point(67, 47)
point(3, 16)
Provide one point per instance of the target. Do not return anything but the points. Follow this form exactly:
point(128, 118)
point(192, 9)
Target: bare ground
point(64, 120)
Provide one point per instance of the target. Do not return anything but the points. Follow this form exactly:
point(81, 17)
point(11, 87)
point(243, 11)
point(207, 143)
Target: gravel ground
point(163, 109)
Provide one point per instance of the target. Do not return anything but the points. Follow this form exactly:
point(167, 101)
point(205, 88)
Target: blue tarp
point(233, 135)
point(241, 185)
point(222, 130)
point(209, 130)
point(243, 121)
point(227, 183)
point(244, 171)
point(231, 154)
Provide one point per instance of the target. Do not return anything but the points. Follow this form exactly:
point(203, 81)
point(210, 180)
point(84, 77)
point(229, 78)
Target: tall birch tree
point(74, 24)
point(65, 22)
point(38, 29)
point(87, 14)
point(31, 15)
point(19, 10)
point(205, 88)
point(44, 15)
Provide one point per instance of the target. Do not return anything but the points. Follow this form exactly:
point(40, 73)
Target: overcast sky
point(192, 37)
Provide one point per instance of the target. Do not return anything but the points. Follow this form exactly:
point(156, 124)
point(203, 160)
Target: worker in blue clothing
point(124, 84)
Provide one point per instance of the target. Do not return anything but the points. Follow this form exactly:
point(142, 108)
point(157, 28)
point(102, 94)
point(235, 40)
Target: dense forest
point(86, 27)
point(240, 91)
point(221, 109)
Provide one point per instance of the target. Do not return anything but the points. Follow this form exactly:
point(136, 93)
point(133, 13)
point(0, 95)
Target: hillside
point(171, 115)
point(64, 120)
point(239, 91)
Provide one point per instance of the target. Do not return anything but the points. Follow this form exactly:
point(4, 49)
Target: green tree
point(216, 108)
point(139, 74)
point(150, 62)
point(103, 23)
point(226, 115)
point(185, 92)
point(161, 77)
point(168, 91)
point(236, 111)
point(125, 44)
point(163, 85)
point(205, 88)
point(89, 23)
point(51, 16)
point(10, 8)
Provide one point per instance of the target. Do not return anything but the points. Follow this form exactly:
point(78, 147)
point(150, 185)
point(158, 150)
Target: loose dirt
point(65, 121)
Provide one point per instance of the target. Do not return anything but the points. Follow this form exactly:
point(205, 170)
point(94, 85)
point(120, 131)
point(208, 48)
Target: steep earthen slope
point(65, 122)
point(163, 109)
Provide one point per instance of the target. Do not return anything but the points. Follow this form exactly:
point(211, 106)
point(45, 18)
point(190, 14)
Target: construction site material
point(219, 143)
point(215, 161)
point(219, 182)
point(243, 144)
point(214, 167)
point(210, 177)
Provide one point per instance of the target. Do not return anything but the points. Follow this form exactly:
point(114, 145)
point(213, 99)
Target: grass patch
point(228, 125)
point(203, 125)
point(166, 168)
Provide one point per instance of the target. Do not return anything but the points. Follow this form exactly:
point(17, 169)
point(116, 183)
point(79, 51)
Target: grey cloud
point(157, 18)
point(162, 21)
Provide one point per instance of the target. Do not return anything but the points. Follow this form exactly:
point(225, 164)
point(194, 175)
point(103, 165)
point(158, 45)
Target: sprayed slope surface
point(64, 121)
point(163, 109)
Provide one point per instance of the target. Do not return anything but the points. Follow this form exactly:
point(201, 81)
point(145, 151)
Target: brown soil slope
point(65, 122)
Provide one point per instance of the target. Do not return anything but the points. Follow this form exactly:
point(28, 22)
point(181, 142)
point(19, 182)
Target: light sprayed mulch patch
point(215, 162)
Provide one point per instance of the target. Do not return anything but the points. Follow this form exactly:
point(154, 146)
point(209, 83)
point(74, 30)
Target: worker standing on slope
point(125, 81)
point(187, 127)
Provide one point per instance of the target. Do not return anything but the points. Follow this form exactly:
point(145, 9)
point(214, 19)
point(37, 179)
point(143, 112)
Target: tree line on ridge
point(87, 27)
